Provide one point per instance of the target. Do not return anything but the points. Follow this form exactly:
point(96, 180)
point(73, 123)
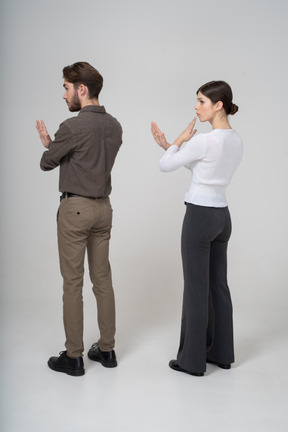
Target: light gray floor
point(142, 393)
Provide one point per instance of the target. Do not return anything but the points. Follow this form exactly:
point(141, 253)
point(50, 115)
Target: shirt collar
point(93, 108)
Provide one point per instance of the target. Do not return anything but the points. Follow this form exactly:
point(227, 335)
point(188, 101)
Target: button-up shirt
point(85, 147)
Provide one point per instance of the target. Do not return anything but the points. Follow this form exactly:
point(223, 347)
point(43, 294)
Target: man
point(85, 147)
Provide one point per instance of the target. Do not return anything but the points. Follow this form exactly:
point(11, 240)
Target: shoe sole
point(70, 372)
point(178, 369)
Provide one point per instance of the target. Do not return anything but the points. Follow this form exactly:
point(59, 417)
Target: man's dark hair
point(83, 73)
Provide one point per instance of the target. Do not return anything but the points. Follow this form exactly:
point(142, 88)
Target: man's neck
point(86, 102)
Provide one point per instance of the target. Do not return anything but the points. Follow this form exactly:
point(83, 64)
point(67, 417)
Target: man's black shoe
point(174, 365)
point(220, 365)
point(106, 358)
point(63, 363)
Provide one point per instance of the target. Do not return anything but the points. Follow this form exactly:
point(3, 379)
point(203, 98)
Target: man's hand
point(159, 136)
point(43, 133)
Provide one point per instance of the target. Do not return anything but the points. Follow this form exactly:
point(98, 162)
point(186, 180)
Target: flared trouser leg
point(207, 308)
point(220, 343)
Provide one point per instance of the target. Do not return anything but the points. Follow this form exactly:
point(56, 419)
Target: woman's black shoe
point(174, 365)
point(220, 365)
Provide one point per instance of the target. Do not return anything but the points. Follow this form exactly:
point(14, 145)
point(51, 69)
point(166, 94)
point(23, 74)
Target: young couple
point(85, 148)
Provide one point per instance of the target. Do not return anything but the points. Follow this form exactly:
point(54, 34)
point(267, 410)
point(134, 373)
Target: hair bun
point(234, 108)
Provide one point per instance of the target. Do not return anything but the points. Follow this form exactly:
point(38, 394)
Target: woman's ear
point(219, 105)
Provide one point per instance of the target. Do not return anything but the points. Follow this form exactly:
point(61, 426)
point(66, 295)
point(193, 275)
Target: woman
point(207, 326)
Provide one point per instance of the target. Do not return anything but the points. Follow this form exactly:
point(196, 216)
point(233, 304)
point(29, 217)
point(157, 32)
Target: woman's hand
point(187, 134)
point(43, 133)
point(159, 136)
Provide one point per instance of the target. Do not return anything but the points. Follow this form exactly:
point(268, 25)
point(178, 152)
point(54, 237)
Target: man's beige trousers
point(85, 224)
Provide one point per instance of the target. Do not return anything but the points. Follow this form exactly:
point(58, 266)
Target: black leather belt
point(72, 195)
point(68, 195)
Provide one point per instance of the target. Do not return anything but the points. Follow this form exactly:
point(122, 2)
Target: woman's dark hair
point(219, 91)
point(83, 73)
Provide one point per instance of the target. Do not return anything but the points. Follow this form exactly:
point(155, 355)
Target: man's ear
point(83, 90)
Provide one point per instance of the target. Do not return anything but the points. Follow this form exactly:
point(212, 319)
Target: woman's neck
point(220, 123)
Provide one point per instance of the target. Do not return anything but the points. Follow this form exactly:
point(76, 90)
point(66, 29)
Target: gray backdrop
point(153, 56)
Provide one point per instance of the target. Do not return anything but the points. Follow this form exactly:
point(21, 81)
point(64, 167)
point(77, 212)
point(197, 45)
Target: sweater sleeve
point(59, 147)
point(175, 158)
